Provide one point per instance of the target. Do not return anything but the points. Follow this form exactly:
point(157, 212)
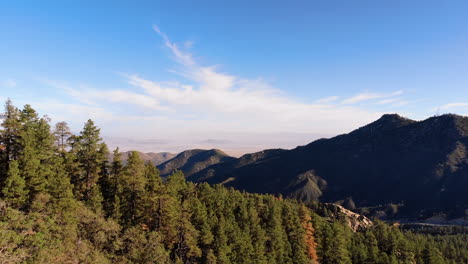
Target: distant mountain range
point(412, 166)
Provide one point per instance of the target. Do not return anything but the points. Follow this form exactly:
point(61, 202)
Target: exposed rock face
point(422, 165)
point(355, 221)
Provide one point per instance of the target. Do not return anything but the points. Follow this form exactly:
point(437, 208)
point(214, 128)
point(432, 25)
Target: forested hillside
point(155, 158)
point(63, 201)
point(193, 161)
point(419, 168)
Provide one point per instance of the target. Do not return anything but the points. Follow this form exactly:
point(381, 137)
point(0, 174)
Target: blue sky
point(239, 75)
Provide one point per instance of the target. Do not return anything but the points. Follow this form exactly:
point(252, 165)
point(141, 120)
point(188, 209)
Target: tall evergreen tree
point(9, 145)
point(14, 190)
point(62, 133)
point(176, 184)
point(108, 181)
point(153, 179)
point(36, 143)
point(186, 245)
point(89, 158)
point(29, 162)
point(116, 185)
point(258, 233)
point(276, 235)
point(153, 190)
point(59, 185)
point(295, 233)
point(134, 183)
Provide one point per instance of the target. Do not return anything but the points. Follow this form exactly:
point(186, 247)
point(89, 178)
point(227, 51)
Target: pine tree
point(153, 180)
point(432, 255)
point(89, 158)
point(37, 150)
point(153, 190)
point(166, 218)
point(334, 244)
point(115, 185)
point(9, 145)
point(105, 180)
point(176, 184)
point(62, 134)
point(372, 247)
point(117, 203)
point(144, 247)
point(59, 185)
point(221, 244)
point(116, 166)
point(259, 236)
point(15, 191)
point(45, 147)
point(29, 163)
point(277, 237)
point(61, 191)
point(200, 220)
point(134, 183)
point(186, 245)
point(295, 233)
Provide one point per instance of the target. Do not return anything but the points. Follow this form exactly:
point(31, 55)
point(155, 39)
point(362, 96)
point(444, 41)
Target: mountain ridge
point(192, 161)
point(393, 160)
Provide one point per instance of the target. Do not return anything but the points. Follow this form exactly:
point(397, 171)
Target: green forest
point(63, 201)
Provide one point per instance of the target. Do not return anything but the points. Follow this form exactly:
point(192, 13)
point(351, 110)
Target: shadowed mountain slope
point(192, 161)
point(422, 165)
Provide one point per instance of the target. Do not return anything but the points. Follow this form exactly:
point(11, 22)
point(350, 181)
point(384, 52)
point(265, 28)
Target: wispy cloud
point(206, 102)
point(389, 101)
point(231, 102)
point(95, 97)
point(116, 96)
point(453, 105)
point(254, 102)
point(183, 57)
point(329, 99)
point(370, 96)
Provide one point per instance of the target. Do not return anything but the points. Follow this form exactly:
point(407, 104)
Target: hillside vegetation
point(155, 158)
point(193, 161)
point(62, 201)
point(419, 168)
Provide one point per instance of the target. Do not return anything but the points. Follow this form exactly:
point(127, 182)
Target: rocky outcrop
point(356, 222)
